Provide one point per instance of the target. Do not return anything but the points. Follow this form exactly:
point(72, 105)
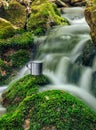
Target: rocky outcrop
point(13, 12)
point(90, 15)
point(66, 3)
point(44, 16)
point(30, 109)
point(17, 17)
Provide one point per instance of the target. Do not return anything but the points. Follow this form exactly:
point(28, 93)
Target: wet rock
point(90, 15)
point(65, 3)
point(78, 2)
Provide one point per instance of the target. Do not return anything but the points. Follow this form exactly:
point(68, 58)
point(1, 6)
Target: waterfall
point(76, 52)
point(86, 79)
point(62, 69)
point(60, 49)
point(80, 46)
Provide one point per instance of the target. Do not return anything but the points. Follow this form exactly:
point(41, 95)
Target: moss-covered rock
point(15, 13)
point(19, 58)
point(26, 86)
point(44, 15)
point(52, 110)
point(90, 15)
point(16, 52)
point(18, 41)
point(6, 29)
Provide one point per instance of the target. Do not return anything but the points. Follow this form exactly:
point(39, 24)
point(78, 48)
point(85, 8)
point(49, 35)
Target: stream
point(59, 50)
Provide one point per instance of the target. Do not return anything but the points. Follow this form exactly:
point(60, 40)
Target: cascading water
point(59, 51)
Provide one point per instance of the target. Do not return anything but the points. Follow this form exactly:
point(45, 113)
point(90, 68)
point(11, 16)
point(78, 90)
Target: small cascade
point(76, 52)
point(71, 14)
point(61, 48)
point(62, 69)
point(78, 21)
point(79, 47)
point(86, 79)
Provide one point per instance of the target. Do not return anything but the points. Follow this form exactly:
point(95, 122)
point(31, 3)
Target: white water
point(61, 48)
point(86, 79)
point(79, 47)
point(60, 66)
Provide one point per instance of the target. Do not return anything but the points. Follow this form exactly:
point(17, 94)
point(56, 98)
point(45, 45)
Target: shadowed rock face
point(65, 3)
point(90, 15)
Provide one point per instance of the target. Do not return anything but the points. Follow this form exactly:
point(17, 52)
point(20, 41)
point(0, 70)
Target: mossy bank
point(44, 16)
point(28, 108)
point(19, 23)
point(15, 53)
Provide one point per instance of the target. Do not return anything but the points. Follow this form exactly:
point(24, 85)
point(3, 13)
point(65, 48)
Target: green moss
point(19, 58)
point(18, 41)
point(15, 13)
point(43, 15)
point(6, 29)
point(26, 86)
point(51, 108)
point(4, 71)
point(15, 51)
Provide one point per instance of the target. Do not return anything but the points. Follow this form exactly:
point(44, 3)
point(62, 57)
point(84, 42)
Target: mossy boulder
point(16, 52)
point(15, 13)
point(19, 58)
point(18, 41)
point(49, 110)
point(44, 15)
point(90, 15)
point(26, 86)
point(6, 29)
